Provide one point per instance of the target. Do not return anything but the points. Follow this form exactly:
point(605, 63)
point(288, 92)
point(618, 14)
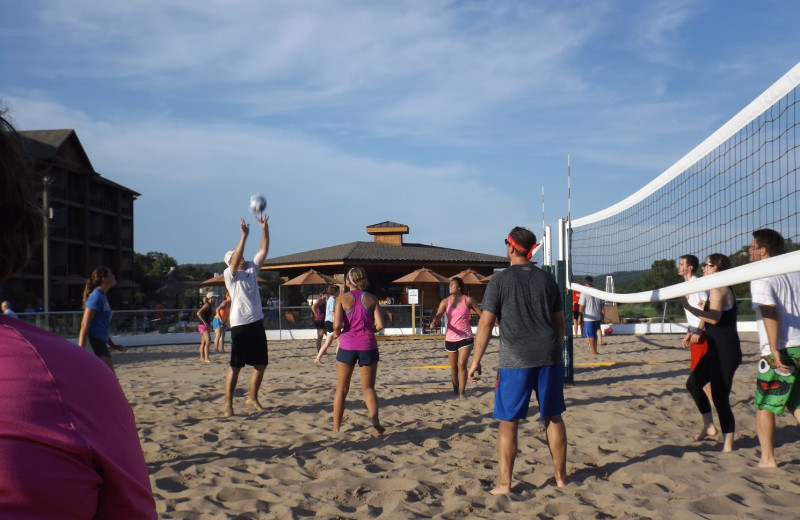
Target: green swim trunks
point(777, 390)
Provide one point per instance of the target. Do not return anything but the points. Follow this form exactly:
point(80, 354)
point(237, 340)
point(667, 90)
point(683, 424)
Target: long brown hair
point(94, 281)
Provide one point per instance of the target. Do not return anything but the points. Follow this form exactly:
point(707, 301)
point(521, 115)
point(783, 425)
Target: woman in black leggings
point(723, 358)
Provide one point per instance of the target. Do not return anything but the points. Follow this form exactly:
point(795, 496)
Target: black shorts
point(100, 347)
point(455, 346)
point(249, 345)
point(364, 357)
point(329, 327)
point(320, 324)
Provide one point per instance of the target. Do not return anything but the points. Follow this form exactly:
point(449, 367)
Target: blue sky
point(447, 116)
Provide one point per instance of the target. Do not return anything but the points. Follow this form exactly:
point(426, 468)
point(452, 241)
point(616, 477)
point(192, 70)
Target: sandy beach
point(629, 419)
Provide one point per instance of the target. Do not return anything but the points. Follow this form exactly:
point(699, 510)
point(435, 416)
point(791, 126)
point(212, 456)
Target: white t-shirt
point(330, 308)
point(245, 300)
point(782, 291)
point(593, 307)
point(698, 301)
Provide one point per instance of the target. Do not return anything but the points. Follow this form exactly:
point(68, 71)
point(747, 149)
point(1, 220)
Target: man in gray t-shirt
point(528, 304)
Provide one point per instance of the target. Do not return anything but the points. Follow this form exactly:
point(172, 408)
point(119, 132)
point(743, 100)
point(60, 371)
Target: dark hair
point(771, 240)
point(691, 261)
point(20, 210)
point(720, 261)
point(94, 281)
point(525, 238)
point(460, 283)
point(589, 279)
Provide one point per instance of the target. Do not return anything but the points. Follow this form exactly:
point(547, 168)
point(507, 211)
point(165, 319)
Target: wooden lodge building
point(90, 224)
point(386, 258)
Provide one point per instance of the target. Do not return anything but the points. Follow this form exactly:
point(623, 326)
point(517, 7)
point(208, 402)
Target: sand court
point(629, 421)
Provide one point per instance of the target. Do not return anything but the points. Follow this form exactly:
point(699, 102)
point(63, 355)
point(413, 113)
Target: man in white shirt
point(776, 301)
point(248, 339)
point(591, 310)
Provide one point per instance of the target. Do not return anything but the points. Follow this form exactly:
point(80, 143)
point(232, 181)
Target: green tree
point(661, 274)
point(154, 263)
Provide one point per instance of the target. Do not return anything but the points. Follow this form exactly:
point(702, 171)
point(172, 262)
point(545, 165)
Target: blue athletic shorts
point(514, 386)
point(364, 357)
point(217, 323)
point(590, 329)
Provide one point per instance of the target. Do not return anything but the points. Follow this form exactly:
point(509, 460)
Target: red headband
point(518, 247)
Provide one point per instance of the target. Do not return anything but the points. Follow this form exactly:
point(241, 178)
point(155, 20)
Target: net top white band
point(770, 96)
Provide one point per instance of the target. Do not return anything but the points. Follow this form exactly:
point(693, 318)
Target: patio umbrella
point(220, 280)
point(470, 277)
point(421, 275)
point(311, 277)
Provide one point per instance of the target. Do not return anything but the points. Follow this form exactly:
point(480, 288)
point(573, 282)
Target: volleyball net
point(741, 178)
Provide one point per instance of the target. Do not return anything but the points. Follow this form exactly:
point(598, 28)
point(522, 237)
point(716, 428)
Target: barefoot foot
point(254, 403)
point(709, 431)
point(378, 428)
point(501, 490)
point(228, 411)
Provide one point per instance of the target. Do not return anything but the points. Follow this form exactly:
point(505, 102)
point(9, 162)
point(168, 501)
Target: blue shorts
point(514, 386)
point(217, 323)
point(590, 329)
point(364, 357)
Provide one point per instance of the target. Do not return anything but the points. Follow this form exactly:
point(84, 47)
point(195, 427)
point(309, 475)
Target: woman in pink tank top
point(458, 340)
point(357, 318)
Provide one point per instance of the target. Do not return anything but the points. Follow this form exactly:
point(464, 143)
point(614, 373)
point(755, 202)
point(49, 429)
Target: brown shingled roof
point(372, 252)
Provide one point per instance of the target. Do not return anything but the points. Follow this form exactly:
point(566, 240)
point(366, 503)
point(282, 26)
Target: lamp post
point(46, 216)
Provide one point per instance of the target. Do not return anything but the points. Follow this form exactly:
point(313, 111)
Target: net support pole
point(561, 278)
point(548, 246)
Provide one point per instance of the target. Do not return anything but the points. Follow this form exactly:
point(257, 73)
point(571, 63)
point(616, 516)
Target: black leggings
point(719, 372)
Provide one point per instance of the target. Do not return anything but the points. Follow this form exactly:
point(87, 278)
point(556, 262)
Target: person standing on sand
point(458, 340)
point(356, 320)
point(724, 356)
point(695, 338)
point(204, 314)
point(248, 339)
point(318, 310)
point(96, 321)
point(776, 301)
point(591, 310)
point(220, 323)
point(531, 333)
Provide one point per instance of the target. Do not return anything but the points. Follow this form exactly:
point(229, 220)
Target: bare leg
point(707, 390)
point(600, 337)
point(506, 455)
point(368, 374)
point(727, 442)
point(343, 374)
point(556, 432)
point(255, 383)
point(709, 430)
point(206, 344)
point(463, 357)
point(593, 345)
point(320, 334)
point(452, 357)
point(765, 427)
point(324, 348)
point(231, 377)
